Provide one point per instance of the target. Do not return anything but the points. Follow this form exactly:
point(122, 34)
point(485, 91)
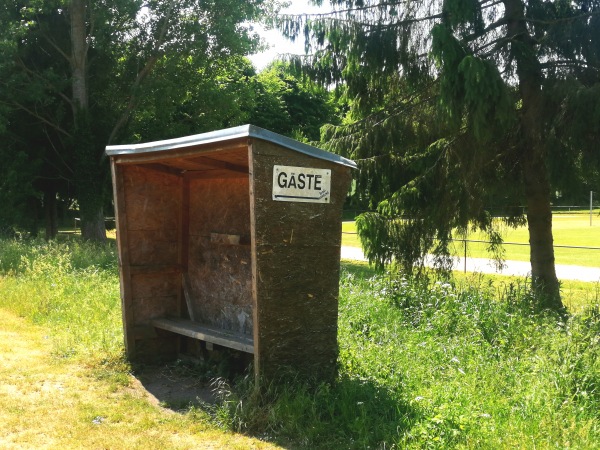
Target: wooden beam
point(201, 161)
point(213, 173)
point(170, 154)
point(164, 169)
point(253, 257)
point(124, 260)
point(183, 243)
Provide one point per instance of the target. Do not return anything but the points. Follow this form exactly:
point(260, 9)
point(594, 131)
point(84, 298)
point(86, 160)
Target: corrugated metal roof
point(244, 131)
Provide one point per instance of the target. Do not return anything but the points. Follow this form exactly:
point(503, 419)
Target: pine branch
point(347, 10)
point(567, 63)
point(497, 43)
point(403, 106)
point(497, 24)
point(374, 24)
point(562, 19)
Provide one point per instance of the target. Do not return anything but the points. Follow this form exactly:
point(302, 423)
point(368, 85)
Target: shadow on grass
point(348, 413)
point(178, 386)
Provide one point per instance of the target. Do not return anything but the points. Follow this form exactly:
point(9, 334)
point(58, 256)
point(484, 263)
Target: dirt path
point(47, 403)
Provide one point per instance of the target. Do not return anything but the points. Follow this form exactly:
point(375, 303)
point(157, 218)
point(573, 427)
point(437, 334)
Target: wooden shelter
point(232, 239)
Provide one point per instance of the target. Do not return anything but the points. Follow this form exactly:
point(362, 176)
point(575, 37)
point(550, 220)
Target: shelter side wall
point(297, 257)
point(152, 201)
point(219, 261)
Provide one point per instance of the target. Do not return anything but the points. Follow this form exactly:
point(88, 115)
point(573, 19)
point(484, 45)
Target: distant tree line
point(78, 75)
point(453, 109)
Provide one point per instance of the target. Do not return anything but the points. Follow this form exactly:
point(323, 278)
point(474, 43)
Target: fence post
point(465, 260)
point(591, 205)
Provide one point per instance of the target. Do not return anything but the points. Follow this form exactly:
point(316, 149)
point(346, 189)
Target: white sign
point(301, 184)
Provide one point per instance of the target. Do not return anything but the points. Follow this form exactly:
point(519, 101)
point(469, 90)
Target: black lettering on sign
point(318, 182)
point(282, 180)
point(292, 181)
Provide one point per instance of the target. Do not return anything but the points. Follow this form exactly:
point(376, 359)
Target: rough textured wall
point(297, 269)
point(150, 214)
point(219, 264)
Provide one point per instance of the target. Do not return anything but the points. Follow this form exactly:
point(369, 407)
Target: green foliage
point(421, 364)
point(436, 365)
point(16, 194)
point(70, 287)
point(152, 70)
point(458, 108)
point(290, 104)
point(461, 14)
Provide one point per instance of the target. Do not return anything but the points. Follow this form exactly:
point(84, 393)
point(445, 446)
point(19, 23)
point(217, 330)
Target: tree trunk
point(93, 228)
point(533, 159)
point(88, 178)
point(541, 242)
point(79, 56)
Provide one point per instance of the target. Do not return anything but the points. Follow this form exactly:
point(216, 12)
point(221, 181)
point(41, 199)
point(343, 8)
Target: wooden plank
point(194, 151)
point(124, 258)
point(154, 269)
point(255, 316)
point(203, 163)
point(214, 173)
point(185, 284)
point(164, 169)
point(195, 330)
point(183, 242)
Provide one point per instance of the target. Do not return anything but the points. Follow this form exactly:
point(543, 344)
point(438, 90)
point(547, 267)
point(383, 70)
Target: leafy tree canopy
point(76, 75)
point(290, 104)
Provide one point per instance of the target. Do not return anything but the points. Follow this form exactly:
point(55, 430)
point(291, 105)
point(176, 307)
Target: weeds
point(438, 365)
point(421, 364)
point(72, 288)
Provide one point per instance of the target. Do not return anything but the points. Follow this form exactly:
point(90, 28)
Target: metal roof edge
point(242, 131)
point(301, 147)
point(182, 142)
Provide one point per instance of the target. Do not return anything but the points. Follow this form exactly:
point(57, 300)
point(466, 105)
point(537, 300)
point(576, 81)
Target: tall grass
point(421, 364)
point(69, 286)
point(437, 365)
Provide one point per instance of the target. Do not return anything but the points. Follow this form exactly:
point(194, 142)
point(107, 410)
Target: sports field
point(570, 229)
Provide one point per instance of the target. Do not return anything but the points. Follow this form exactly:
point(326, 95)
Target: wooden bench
point(225, 338)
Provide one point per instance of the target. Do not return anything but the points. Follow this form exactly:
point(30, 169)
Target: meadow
point(468, 363)
point(569, 229)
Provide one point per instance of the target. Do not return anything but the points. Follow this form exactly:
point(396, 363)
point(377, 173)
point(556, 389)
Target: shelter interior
point(189, 243)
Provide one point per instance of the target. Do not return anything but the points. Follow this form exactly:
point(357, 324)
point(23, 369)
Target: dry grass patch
point(56, 403)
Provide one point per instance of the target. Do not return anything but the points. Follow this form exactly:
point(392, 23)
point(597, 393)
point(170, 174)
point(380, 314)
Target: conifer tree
point(461, 109)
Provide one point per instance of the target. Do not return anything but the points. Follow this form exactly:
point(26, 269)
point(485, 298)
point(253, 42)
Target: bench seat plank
point(195, 330)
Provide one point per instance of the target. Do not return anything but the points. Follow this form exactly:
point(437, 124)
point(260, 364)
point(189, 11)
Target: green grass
point(568, 229)
point(463, 364)
point(441, 365)
point(67, 286)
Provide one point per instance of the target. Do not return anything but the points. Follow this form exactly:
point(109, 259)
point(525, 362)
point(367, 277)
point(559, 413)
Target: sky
point(279, 44)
